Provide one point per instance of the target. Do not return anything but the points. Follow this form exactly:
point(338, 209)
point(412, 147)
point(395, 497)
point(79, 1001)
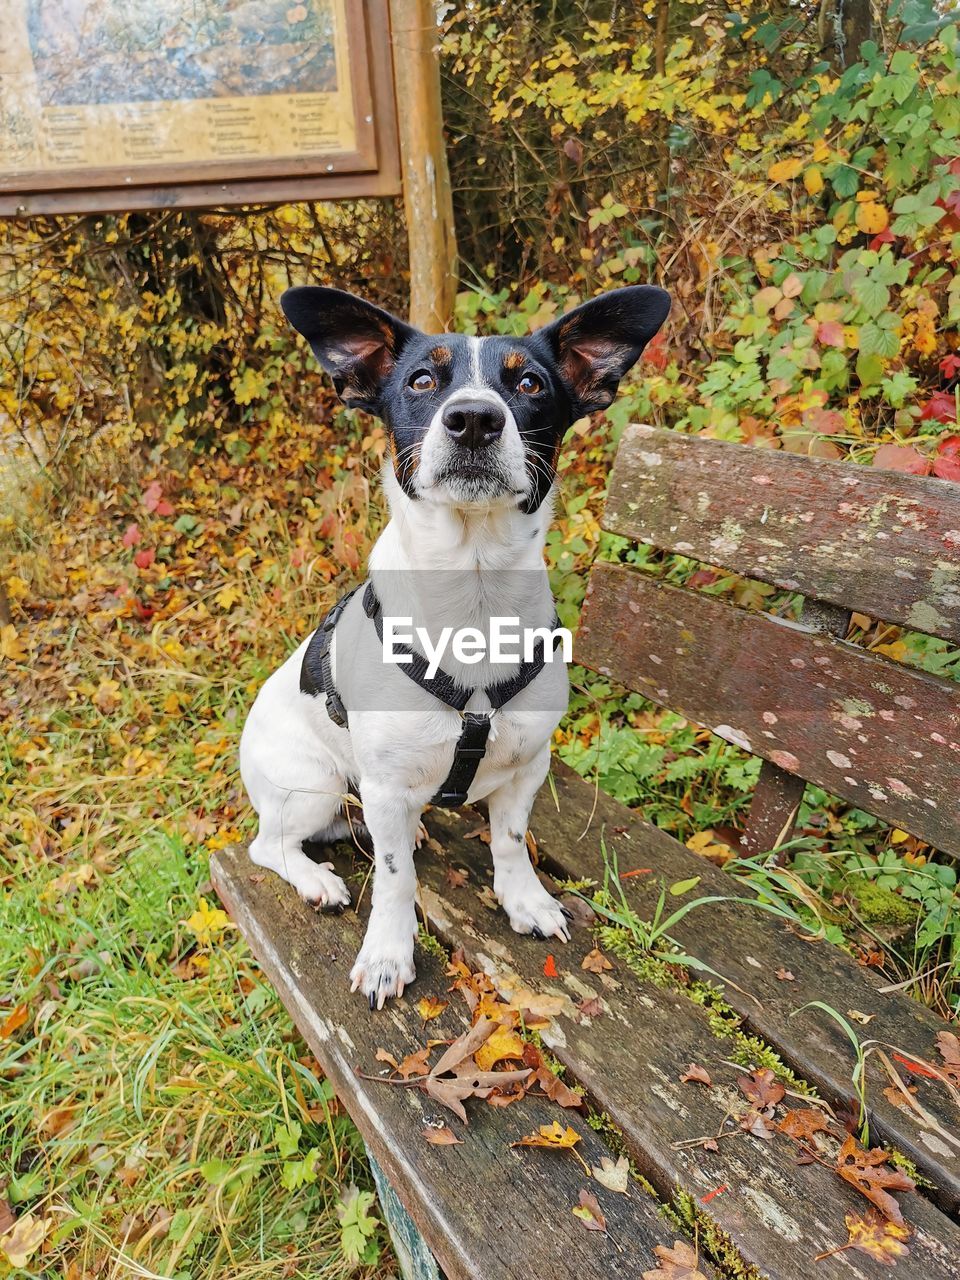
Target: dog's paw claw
point(382, 977)
point(535, 912)
point(320, 886)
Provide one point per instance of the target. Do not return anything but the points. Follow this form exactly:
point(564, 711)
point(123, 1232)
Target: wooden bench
point(879, 734)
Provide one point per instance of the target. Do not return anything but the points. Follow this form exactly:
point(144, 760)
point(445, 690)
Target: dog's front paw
point(319, 885)
point(532, 910)
point(383, 969)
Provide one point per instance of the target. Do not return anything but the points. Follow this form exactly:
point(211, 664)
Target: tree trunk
point(844, 26)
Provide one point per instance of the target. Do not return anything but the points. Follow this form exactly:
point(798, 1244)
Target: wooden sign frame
point(371, 169)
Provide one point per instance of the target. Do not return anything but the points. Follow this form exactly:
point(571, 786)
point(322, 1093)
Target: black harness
point(316, 677)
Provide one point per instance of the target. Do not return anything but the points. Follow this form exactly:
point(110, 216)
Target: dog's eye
point(530, 384)
point(422, 380)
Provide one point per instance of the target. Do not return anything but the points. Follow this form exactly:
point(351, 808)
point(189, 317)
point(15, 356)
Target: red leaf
point(895, 457)
point(131, 535)
point(152, 495)
point(941, 407)
point(830, 333)
point(163, 508)
point(882, 237)
point(947, 469)
point(950, 365)
point(144, 559)
point(712, 1195)
point(949, 447)
point(550, 968)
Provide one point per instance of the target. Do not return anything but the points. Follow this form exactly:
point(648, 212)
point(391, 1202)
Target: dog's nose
point(474, 423)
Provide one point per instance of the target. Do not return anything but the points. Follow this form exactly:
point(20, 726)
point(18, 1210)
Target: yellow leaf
point(16, 587)
point(897, 836)
point(207, 923)
point(25, 1238)
point(813, 180)
point(430, 1007)
point(504, 1043)
point(784, 170)
point(11, 646)
point(872, 217)
point(555, 1136)
point(228, 596)
point(877, 1236)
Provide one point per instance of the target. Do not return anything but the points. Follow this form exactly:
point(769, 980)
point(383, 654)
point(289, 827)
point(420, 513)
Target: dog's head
point(477, 421)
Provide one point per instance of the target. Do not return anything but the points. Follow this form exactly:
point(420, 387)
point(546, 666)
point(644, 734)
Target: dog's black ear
point(594, 345)
point(356, 342)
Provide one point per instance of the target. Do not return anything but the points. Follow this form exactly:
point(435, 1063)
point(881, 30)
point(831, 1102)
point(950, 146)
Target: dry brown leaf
point(762, 1088)
point(591, 1008)
point(865, 1170)
point(442, 1137)
point(678, 1263)
point(695, 1075)
point(802, 1125)
point(414, 1064)
point(595, 961)
point(949, 1048)
point(455, 877)
point(589, 1212)
point(785, 975)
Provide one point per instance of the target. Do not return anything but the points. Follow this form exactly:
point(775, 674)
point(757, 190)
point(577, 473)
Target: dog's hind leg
point(289, 819)
point(530, 907)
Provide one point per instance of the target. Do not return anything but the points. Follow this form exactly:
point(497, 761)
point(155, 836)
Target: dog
point(474, 427)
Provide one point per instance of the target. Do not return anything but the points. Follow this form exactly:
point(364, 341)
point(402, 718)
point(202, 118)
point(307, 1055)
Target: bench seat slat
point(630, 1060)
point(747, 947)
point(877, 541)
point(483, 1208)
point(882, 735)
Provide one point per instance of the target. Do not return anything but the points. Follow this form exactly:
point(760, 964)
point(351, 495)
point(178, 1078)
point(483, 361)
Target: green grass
point(145, 1096)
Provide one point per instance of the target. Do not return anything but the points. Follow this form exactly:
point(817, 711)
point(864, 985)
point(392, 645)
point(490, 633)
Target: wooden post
point(423, 163)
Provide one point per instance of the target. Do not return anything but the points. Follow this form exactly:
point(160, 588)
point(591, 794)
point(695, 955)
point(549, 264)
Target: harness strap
point(316, 676)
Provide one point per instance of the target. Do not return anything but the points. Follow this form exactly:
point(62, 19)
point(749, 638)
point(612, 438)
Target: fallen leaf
point(865, 1170)
point(595, 961)
point(948, 1046)
point(615, 1176)
point(874, 1235)
point(695, 1075)
point(802, 1125)
point(442, 1137)
point(591, 1008)
point(678, 1263)
point(555, 1137)
point(862, 1018)
point(712, 1195)
point(637, 871)
point(589, 1212)
point(504, 1043)
point(414, 1064)
point(478, 833)
point(455, 878)
point(916, 1066)
point(14, 1021)
point(785, 975)
point(430, 1007)
point(550, 968)
point(762, 1088)
point(7, 1217)
point(25, 1238)
point(11, 646)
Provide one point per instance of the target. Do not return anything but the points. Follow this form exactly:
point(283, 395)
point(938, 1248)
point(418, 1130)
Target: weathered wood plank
point(630, 1059)
point(882, 735)
point(748, 947)
point(485, 1209)
point(877, 541)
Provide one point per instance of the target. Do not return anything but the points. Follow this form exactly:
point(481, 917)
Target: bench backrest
point(880, 734)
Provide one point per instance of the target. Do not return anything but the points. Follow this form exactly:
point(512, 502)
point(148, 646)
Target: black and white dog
point(474, 427)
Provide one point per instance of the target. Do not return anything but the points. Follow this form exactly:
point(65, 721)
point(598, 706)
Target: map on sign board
point(110, 91)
